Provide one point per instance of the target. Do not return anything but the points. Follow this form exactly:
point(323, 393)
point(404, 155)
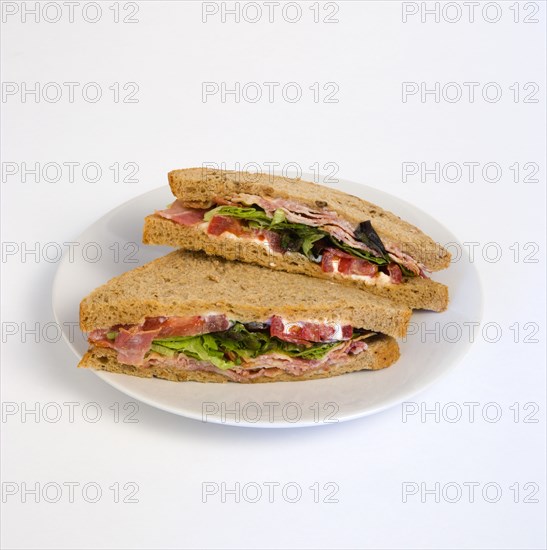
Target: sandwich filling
point(239, 351)
point(285, 226)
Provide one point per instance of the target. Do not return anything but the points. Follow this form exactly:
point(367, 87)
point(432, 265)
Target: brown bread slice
point(414, 292)
point(382, 352)
point(198, 187)
point(189, 283)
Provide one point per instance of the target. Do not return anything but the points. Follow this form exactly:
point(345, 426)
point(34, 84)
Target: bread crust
point(382, 352)
point(186, 283)
point(415, 292)
point(198, 187)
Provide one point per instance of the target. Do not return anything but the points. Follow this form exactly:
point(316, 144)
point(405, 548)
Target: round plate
point(425, 356)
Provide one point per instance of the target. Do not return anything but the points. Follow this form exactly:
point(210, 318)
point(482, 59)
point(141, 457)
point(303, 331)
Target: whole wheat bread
point(414, 292)
point(189, 283)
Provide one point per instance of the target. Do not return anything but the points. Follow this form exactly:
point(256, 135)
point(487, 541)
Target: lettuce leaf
point(363, 254)
point(244, 213)
point(297, 237)
point(278, 218)
point(308, 242)
point(228, 349)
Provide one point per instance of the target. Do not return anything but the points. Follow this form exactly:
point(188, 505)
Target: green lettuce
point(296, 237)
point(363, 254)
point(245, 213)
point(228, 349)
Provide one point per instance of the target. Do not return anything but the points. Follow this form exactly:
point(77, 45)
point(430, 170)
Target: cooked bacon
point(346, 236)
point(221, 224)
point(179, 213)
point(276, 363)
point(355, 347)
point(268, 365)
point(329, 222)
point(397, 255)
point(299, 213)
point(306, 332)
point(98, 338)
point(152, 323)
point(295, 212)
point(395, 273)
point(132, 342)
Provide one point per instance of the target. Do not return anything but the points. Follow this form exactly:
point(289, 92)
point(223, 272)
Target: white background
point(368, 133)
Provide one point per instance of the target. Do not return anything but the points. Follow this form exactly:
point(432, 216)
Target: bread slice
point(414, 292)
point(198, 187)
point(382, 352)
point(190, 283)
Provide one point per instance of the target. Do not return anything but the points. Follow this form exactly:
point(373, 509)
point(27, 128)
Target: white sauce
point(378, 279)
point(227, 235)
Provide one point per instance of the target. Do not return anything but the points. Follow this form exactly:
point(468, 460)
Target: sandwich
point(301, 227)
point(189, 317)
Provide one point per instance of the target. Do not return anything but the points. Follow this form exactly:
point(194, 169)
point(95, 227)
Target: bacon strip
point(179, 213)
point(265, 365)
point(295, 212)
point(299, 213)
point(133, 342)
point(329, 222)
point(396, 254)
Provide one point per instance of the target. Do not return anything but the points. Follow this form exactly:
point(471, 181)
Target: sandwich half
point(186, 316)
point(301, 227)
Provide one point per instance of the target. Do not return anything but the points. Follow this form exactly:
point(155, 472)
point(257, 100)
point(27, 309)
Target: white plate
point(281, 404)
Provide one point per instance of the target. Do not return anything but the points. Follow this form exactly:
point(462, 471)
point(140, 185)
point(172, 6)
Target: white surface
point(369, 133)
point(346, 397)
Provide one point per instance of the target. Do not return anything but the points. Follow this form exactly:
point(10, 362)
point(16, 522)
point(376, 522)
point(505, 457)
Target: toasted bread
point(189, 283)
point(414, 292)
